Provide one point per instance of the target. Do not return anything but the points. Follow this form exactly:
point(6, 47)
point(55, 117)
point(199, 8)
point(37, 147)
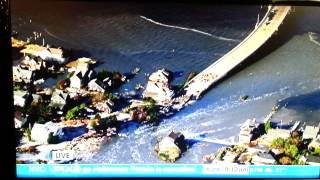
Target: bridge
point(270, 23)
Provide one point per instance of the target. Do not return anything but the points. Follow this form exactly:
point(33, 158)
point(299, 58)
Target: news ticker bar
point(165, 170)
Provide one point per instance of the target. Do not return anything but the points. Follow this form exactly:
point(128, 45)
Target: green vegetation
point(98, 97)
point(151, 109)
point(316, 152)
point(126, 110)
point(149, 102)
point(41, 120)
point(267, 126)
point(99, 124)
point(17, 87)
point(163, 156)
point(289, 148)
point(103, 74)
point(72, 113)
point(138, 87)
point(278, 143)
point(39, 112)
point(93, 123)
point(39, 161)
point(238, 149)
point(52, 139)
point(221, 153)
point(147, 111)
point(27, 132)
point(116, 75)
point(70, 75)
point(292, 151)
point(285, 160)
point(105, 122)
point(110, 96)
point(62, 84)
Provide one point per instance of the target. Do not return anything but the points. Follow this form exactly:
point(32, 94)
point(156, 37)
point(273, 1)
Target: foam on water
point(190, 29)
point(314, 37)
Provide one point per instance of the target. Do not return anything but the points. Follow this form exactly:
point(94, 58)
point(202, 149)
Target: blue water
point(118, 36)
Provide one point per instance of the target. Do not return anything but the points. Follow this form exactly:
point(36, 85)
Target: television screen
point(165, 89)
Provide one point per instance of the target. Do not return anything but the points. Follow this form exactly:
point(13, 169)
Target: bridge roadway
point(262, 32)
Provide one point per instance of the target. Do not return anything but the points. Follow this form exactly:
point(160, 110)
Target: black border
point(6, 107)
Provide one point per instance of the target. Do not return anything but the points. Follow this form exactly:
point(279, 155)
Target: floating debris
point(138, 87)
point(244, 97)
point(136, 70)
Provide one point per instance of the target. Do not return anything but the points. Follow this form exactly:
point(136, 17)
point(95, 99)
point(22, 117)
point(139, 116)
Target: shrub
point(70, 75)
point(238, 149)
point(297, 162)
point(163, 156)
point(98, 97)
point(138, 87)
point(72, 113)
point(39, 161)
point(290, 148)
point(152, 116)
point(41, 120)
point(103, 74)
point(27, 133)
point(105, 123)
point(267, 126)
point(93, 124)
point(295, 134)
point(278, 143)
point(17, 88)
point(126, 110)
point(111, 96)
point(151, 109)
point(285, 160)
point(116, 75)
point(292, 151)
point(316, 151)
point(52, 139)
point(117, 79)
point(44, 109)
point(294, 141)
point(221, 153)
point(82, 106)
point(39, 112)
point(149, 100)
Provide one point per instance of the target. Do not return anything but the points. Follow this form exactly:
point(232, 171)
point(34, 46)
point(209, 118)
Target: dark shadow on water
point(74, 54)
point(310, 101)
point(305, 107)
point(190, 142)
point(128, 127)
point(177, 74)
